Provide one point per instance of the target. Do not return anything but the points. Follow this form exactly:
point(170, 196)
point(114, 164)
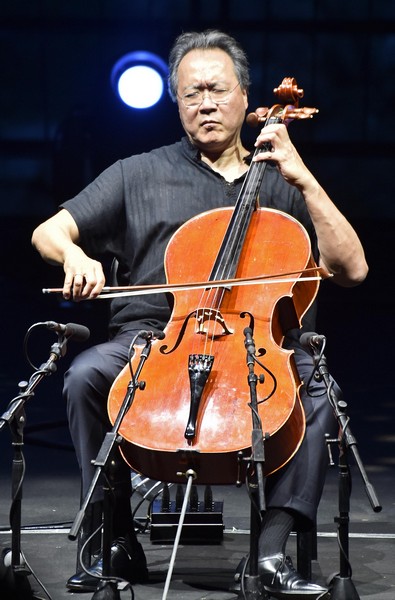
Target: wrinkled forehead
point(205, 67)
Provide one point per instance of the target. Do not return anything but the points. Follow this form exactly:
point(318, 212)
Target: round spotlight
point(138, 79)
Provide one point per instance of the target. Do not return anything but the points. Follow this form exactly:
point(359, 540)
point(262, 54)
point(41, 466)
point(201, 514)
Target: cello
point(193, 412)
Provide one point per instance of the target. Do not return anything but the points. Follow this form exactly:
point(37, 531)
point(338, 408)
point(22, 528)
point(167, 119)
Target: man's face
point(211, 127)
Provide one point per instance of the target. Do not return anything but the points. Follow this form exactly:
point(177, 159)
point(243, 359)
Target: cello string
point(215, 304)
point(247, 197)
point(232, 246)
point(235, 233)
point(202, 316)
point(209, 306)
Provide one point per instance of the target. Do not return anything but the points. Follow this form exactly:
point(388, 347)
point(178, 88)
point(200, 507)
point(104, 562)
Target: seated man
point(130, 212)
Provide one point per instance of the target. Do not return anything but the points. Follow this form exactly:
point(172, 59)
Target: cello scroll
point(288, 95)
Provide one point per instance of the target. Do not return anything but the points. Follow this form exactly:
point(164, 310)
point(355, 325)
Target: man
point(129, 212)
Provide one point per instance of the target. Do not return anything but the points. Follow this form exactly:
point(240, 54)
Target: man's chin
point(210, 139)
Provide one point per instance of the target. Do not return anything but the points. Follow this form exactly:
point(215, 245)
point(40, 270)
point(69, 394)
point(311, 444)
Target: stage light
point(138, 79)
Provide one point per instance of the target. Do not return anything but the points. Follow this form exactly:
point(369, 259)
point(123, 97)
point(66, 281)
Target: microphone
point(249, 342)
point(151, 335)
point(311, 340)
point(79, 332)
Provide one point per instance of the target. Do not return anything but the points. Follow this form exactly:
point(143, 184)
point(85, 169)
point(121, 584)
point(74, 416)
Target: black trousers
point(297, 486)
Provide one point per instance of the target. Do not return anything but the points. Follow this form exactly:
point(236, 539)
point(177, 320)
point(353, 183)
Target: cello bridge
point(211, 322)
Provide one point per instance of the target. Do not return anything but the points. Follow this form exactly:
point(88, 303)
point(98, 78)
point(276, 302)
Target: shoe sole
point(75, 587)
point(296, 595)
point(83, 588)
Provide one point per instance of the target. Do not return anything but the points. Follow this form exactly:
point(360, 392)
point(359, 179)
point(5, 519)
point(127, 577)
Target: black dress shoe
point(281, 580)
point(131, 567)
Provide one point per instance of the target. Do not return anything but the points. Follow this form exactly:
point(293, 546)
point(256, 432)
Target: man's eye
point(191, 95)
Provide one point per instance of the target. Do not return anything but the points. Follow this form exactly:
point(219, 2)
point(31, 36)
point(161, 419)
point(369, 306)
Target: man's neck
point(230, 163)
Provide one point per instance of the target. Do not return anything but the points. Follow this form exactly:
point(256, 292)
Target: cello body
point(156, 440)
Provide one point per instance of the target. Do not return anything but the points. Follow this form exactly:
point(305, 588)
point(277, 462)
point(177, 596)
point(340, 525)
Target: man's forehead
point(205, 65)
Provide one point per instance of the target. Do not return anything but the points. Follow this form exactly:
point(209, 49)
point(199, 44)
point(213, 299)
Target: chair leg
point(306, 542)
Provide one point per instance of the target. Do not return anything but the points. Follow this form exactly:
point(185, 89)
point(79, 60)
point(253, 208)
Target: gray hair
point(206, 40)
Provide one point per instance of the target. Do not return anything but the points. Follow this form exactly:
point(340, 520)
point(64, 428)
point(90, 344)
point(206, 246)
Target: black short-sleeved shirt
point(132, 209)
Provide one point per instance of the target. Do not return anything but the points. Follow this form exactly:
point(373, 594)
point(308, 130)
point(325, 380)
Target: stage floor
point(202, 571)
point(360, 356)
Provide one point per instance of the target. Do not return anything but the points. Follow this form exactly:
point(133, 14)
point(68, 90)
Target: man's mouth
point(209, 124)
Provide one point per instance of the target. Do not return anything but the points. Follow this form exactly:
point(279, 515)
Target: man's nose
point(207, 100)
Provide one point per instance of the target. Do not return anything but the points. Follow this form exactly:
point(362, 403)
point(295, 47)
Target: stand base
point(14, 586)
point(343, 589)
point(247, 586)
point(106, 590)
point(252, 589)
point(14, 582)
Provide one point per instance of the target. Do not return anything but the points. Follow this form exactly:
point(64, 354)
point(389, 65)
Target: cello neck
point(225, 266)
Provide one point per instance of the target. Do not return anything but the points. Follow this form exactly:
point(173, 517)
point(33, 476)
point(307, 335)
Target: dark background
point(61, 124)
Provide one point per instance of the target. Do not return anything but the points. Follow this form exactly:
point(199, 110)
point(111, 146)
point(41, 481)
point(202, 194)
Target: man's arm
point(341, 251)
point(57, 241)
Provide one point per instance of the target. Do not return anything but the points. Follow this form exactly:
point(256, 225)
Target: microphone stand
point(16, 573)
point(107, 588)
point(251, 587)
point(343, 586)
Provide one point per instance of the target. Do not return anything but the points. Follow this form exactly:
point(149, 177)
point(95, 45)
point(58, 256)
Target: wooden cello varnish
point(205, 333)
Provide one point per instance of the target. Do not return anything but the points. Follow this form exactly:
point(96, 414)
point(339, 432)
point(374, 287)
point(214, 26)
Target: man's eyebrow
point(212, 84)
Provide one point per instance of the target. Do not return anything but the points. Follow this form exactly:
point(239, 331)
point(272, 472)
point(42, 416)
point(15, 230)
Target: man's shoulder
point(169, 152)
